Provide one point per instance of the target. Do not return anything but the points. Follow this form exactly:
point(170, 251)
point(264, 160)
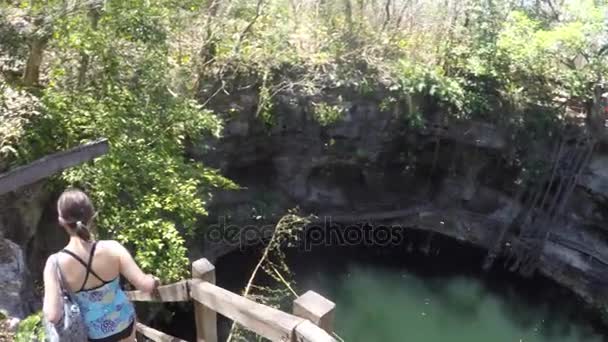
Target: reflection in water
point(382, 305)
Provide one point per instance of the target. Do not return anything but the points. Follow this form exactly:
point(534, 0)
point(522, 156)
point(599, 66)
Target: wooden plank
point(49, 165)
point(177, 292)
point(205, 318)
point(268, 322)
point(308, 332)
point(316, 308)
point(155, 335)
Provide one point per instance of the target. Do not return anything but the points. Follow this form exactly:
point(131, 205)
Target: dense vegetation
point(144, 73)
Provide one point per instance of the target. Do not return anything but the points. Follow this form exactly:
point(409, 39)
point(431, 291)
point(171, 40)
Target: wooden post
point(206, 319)
point(315, 308)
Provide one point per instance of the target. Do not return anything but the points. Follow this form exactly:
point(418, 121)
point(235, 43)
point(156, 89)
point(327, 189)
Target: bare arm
point(134, 274)
point(51, 307)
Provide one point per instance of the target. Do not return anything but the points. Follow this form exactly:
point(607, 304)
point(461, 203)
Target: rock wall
point(21, 215)
point(373, 160)
point(17, 298)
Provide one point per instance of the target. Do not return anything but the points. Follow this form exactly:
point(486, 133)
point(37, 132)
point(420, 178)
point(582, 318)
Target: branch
point(555, 13)
point(258, 12)
point(252, 277)
point(274, 241)
point(49, 20)
point(94, 15)
point(401, 13)
point(387, 11)
point(348, 8)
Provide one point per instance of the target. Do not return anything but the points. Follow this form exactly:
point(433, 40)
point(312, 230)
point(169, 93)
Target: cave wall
point(372, 159)
point(369, 156)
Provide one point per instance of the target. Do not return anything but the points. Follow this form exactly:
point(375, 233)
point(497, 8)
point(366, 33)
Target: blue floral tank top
point(106, 310)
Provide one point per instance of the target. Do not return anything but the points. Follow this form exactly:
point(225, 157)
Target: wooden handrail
point(156, 335)
point(263, 320)
point(49, 165)
point(176, 292)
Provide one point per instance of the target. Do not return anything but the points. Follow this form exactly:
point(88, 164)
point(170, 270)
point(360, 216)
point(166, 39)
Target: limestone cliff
point(467, 175)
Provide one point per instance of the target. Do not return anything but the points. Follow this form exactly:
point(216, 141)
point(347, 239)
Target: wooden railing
point(311, 321)
point(51, 164)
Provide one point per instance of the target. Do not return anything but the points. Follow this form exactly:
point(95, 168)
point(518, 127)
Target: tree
point(110, 77)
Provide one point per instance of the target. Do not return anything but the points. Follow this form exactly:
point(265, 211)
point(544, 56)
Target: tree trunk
point(94, 15)
point(348, 9)
point(31, 75)
point(597, 115)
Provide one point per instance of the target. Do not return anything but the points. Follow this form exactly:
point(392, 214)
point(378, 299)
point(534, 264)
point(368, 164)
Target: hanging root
point(548, 204)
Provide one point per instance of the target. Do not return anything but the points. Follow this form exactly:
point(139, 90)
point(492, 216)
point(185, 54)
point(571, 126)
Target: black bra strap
point(89, 269)
point(72, 254)
point(87, 266)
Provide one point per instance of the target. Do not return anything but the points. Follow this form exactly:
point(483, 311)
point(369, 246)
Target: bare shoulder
point(50, 263)
point(112, 246)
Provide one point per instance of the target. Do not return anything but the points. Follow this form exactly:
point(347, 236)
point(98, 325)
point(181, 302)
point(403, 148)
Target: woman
point(91, 271)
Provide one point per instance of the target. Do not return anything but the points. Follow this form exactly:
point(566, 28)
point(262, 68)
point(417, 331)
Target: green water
point(375, 304)
point(395, 294)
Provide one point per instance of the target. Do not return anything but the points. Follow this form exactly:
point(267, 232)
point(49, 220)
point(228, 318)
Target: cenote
point(407, 293)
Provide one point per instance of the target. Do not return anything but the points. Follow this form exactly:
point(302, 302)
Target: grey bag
point(71, 327)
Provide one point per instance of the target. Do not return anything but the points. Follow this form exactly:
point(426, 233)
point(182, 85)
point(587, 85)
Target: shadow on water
point(392, 294)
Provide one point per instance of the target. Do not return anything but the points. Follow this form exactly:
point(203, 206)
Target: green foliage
point(31, 329)
point(17, 108)
point(265, 103)
point(12, 47)
point(503, 62)
point(327, 114)
point(565, 55)
point(415, 79)
point(149, 194)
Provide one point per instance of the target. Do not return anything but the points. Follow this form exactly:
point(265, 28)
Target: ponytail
point(83, 231)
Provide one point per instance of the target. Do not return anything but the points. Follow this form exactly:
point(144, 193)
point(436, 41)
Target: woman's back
point(73, 261)
point(94, 279)
point(91, 270)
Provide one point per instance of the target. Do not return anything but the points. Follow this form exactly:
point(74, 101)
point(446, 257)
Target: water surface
point(382, 305)
point(394, 294)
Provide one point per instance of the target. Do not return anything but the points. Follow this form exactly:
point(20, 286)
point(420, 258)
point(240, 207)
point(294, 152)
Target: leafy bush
point(31, 329)
point(327, 114)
